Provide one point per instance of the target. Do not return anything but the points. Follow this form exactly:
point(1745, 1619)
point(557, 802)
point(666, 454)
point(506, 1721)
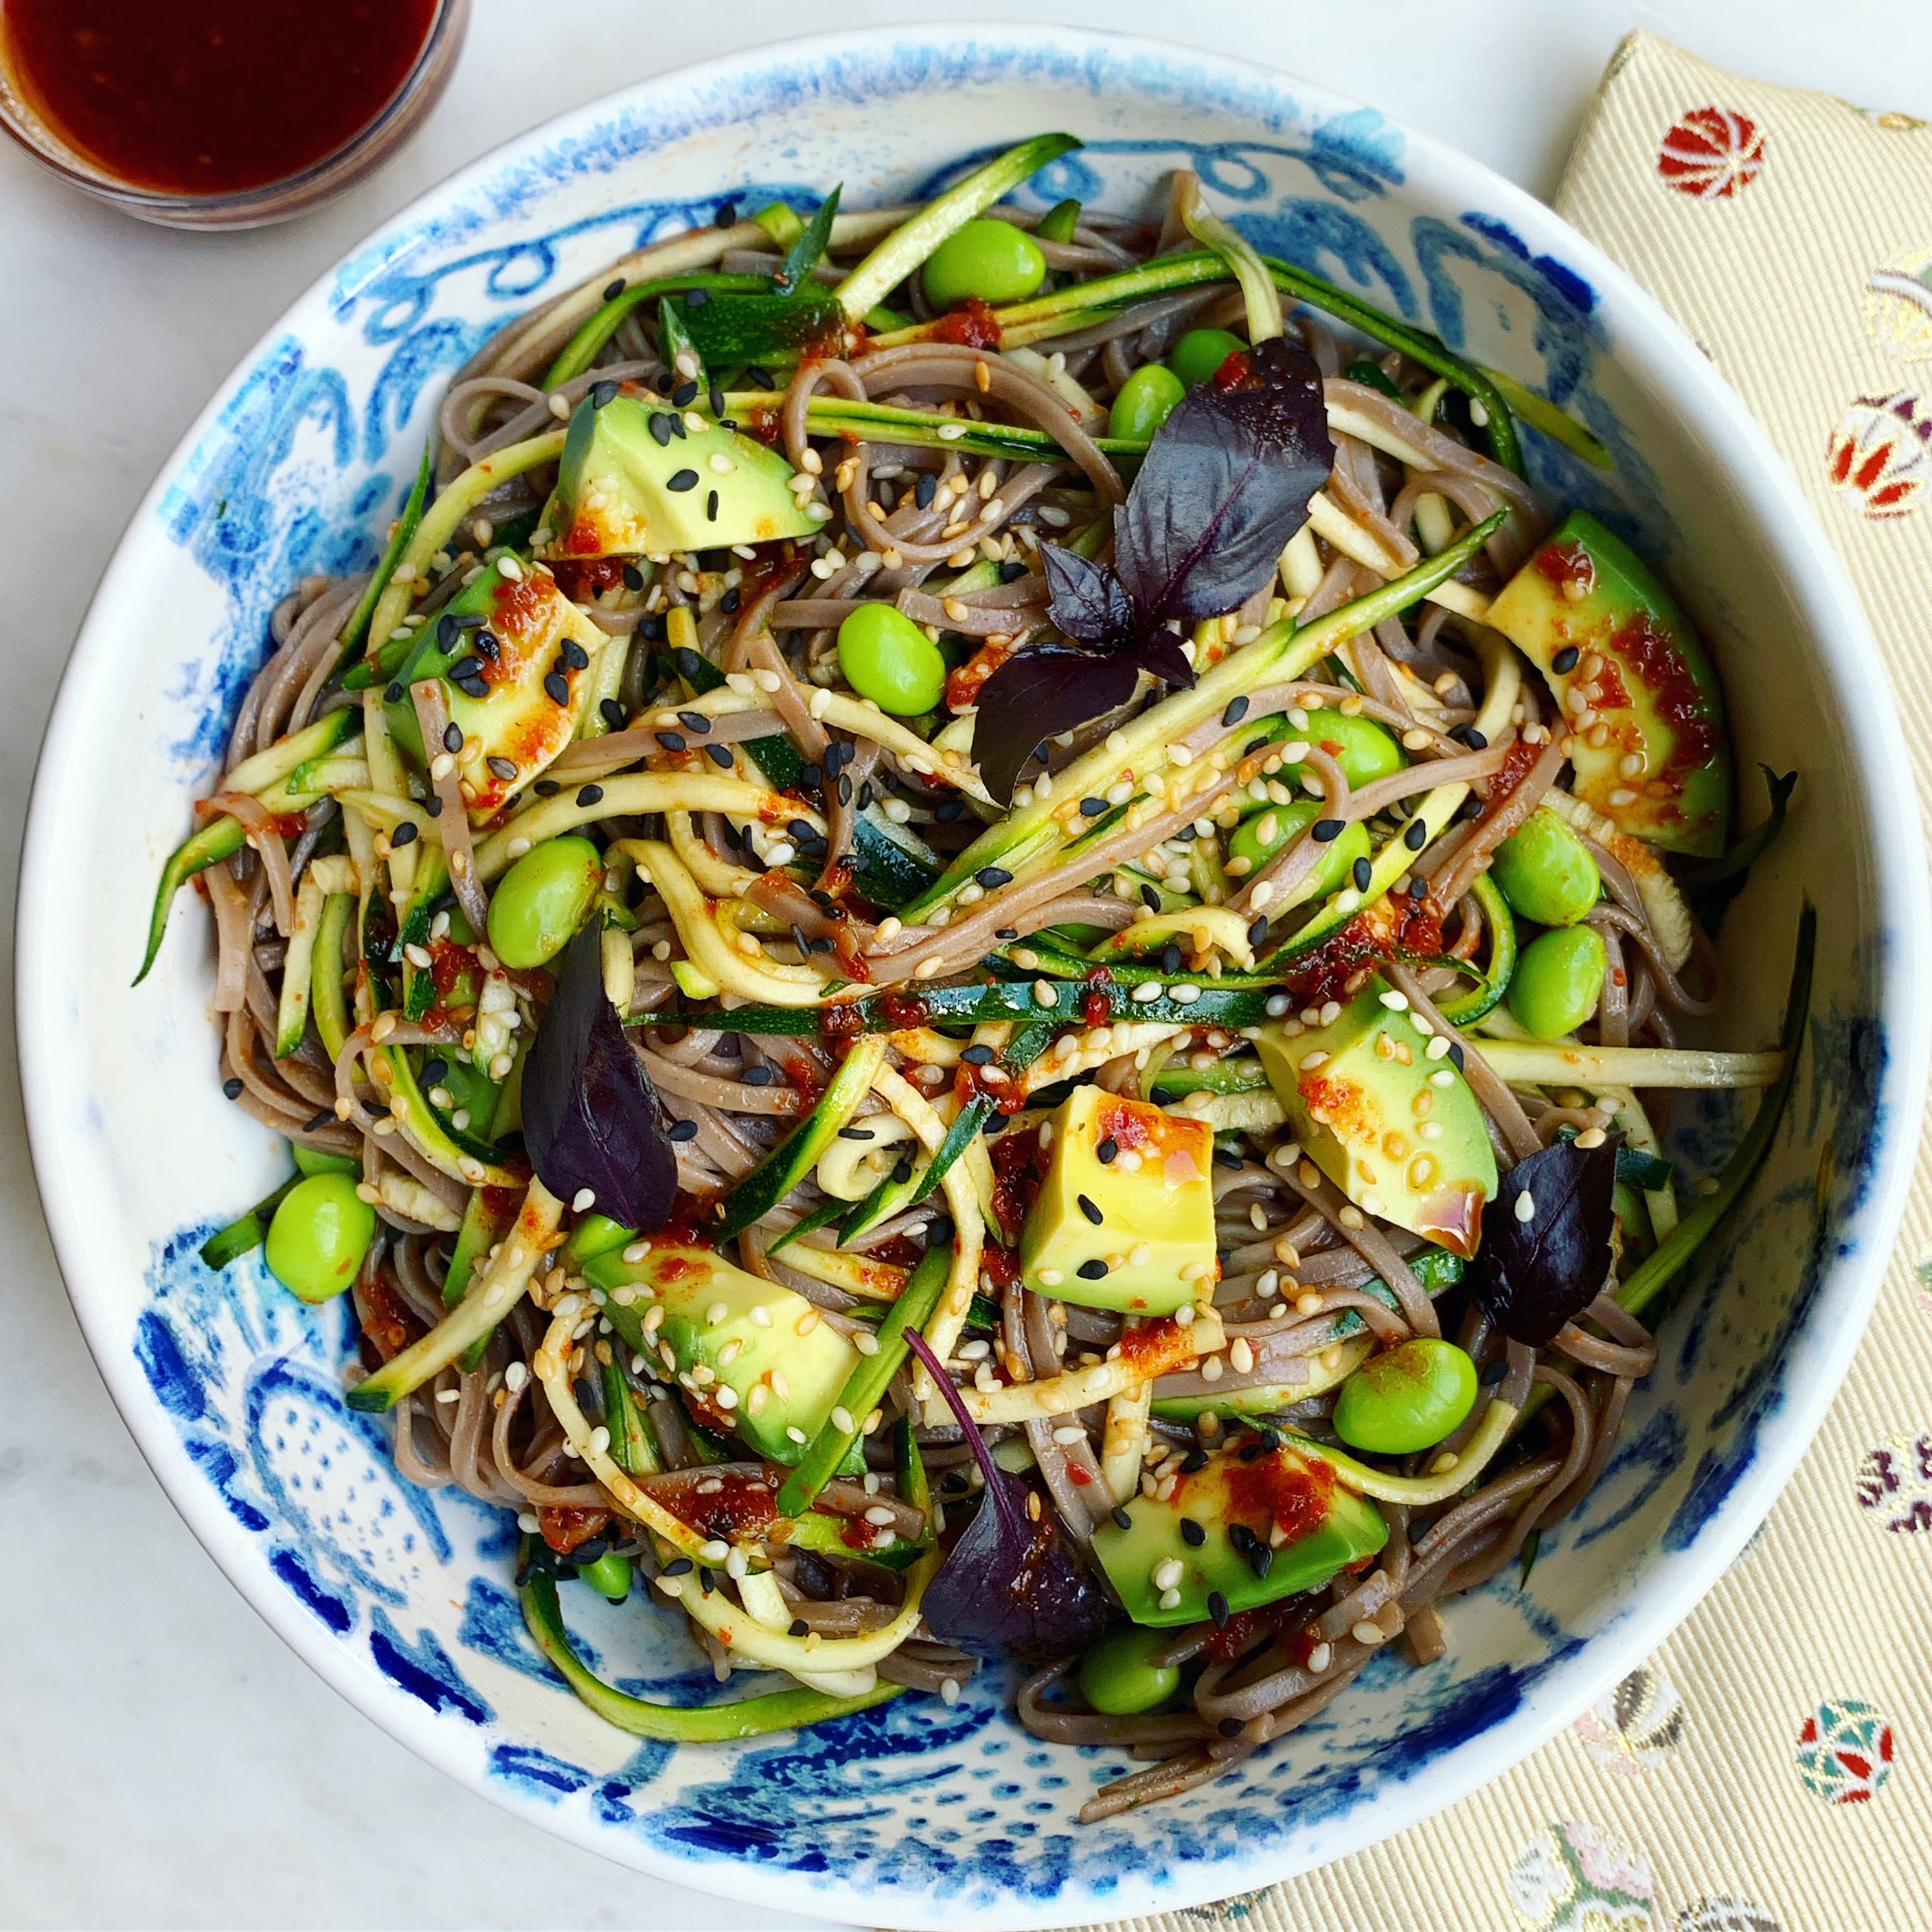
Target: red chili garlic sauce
point(210, 96)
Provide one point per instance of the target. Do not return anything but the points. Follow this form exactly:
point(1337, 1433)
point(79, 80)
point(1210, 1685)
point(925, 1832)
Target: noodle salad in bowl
point(976, 948)
point(1013, 971)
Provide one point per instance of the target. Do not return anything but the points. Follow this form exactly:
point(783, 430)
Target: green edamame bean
point(1558, 980)
point(1116, 1678)
point(1365, 750)
point(610, 1575)
point(317, 1160)
point(1407, 1398)
point(1200, 352)
point(993, 260)
point(1546, 871)
point(320, 1234)
point(1258, 839)
point(542, 900)
point(1144, 401)
point(887, 658)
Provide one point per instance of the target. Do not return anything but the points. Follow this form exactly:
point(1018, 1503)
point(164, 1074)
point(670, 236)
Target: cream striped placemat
point(1771, 1767)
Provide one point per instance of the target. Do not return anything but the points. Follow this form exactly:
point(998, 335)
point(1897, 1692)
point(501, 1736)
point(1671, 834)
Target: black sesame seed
point(1363, 875)
point(716, 399)
point(452, 737)
point(1186, 835)
point(506, 769)
point(1326, 830)
point(672, 741)
point(1192, 1533)
point(977, 1054)
point(1121, 1519)
point(705, 1581)
point(697, 298)
point(405, 834)
point(695, 722)
point(1260, 1559)
point(759, 378)
point(1092, 808)
point(730, 601)
point(726, 216)
point(661, 431)
point(435, 1072)
point(1170, 958)
point(1251, 1452)
point(856, 1134)
point(546, 788)
point(448, 630)
point(602, 394)
point(1470, 808)
point(633, 577)
point(1564, 662)
point(844, 788)
point(1455, 1054)
point(1150, 898)
point(1092, 1271)
point(759, 1075)
point(1231, 1727)
point(1258, 931)
point(711, 507)
point(1006, 932)
point(1089, 1210)
point(466, 670)
point(720, 755)
point(683, 480)
point(556, 687)
point(1107, 1151)
point(486, 646)
point(574, 655)
point(316, 1120)
point(1194, 1461)
point(591, 794)
point(1223, 1158)
point(472, 687)
point(688, 662)
point(947, 810)
point(797, 828)
point(677, 422)
point(1217, 1608)
point(1494, 1372)
point(1239, 1533)
point(684, 395)
point(612, 290)
point(679, 1566)
point(393, 695)
point(799, 1628)
point(232, 1086)
point(683, 1130)
point(901, 1170)
point(922, 490)
point(612, 712)
point(993, 877)
point(1417, 836)
point(1237, 709)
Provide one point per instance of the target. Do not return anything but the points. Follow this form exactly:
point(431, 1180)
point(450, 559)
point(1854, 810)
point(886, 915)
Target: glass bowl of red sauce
point(220, 113)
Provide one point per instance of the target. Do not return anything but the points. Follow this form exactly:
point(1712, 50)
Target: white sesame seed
point(1170, 1599)
point(841, 1419)
point(1591, 1137)
point(1319, 1657)
point(1525, 1206)
point(1168, 1573)
point(714, 1551)
point(1369, 1634)
point(527, 1523)
point(584, 1200)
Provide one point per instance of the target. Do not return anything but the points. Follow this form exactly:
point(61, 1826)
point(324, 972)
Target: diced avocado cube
point(1398, 1131)
point(624, 489)
point(531, 636)
point(1163, 1577)
point(750, 1358)
point(1125, 1218)
point(1184, 1397)
point(1593, 616)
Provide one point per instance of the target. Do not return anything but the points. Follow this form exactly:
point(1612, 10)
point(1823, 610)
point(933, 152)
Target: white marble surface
point(164, 1760)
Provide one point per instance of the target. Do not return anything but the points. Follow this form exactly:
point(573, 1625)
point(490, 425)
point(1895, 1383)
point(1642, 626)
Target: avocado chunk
point(1593, 616)
point(625, 490)
point(1125, 1218)
point(533, 644)
point(771, 1382)
point(1399, 1132)
point(1240, 1508)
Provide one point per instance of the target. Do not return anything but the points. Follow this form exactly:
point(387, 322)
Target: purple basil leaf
point(590, 1115)
point(1037, 695)
point(1087, 602)
point(1159, 652)
point(1532, 1277)
point(1225, 484)
point(1009, 1583)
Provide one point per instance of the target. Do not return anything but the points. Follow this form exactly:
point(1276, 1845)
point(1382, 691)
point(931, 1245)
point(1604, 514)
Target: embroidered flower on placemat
point(1844, 1752)
point(1722, 1912)
point(1895, 1482)
point(1878, 453)
point(1636, 1728)
point(1898, 304)
point(1575, 1877)
point(1712, 154)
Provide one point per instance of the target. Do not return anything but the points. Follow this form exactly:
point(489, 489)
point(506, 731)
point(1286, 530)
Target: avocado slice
point(518, 726)
point(711, 1321)
point(1135, 1231)
point(1324, 1527)
point(623, 490)
point(1585, 596)
point(1398, 1131)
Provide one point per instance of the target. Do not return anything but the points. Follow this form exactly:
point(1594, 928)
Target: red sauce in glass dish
point(210, 97)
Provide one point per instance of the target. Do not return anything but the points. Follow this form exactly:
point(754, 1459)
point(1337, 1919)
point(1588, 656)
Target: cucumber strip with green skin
point(780, 222)
point(909, 1466)
point(298, 969)
point(1644, 1171)
point(777, 757)
point(923, 429)
point(1465, 1009)
point(1556, 424)
point(971, 1006)
point(891, 1196)
point(247, 1231)
point(221, 839)
point(808, 247)
point(1059, 222)
point(908, 247)
point(1282, 652)
point(785, 1167)
point(1248, 268)
point(1232, 1076)
point(327, 1000)
point(866, 1384)
point(456, 500)
point(808, 1224)
point(356, 632)
point(478, 1229)
point(255, 775)
point(702, 1724)
point(443, 1145)
point(883, 869)
point(597, 328)
point(674, 339)
point(632, 1448)
point(1053, 963)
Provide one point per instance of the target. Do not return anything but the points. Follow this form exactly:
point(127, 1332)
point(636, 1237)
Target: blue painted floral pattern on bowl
point(912, 1811)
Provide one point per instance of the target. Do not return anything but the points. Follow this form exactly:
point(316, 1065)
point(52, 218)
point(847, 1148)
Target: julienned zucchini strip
point(356, 632)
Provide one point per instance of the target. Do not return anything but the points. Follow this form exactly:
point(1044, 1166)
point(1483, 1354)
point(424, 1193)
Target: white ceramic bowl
point(913, 1814)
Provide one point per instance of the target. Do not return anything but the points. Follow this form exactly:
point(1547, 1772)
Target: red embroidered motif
point(1711, 153)
point(1878, 453)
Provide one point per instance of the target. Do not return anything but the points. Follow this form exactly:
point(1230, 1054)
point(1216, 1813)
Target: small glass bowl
point(275, 201)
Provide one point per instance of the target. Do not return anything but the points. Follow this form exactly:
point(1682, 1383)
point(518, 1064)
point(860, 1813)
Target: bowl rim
point(1825, 605)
